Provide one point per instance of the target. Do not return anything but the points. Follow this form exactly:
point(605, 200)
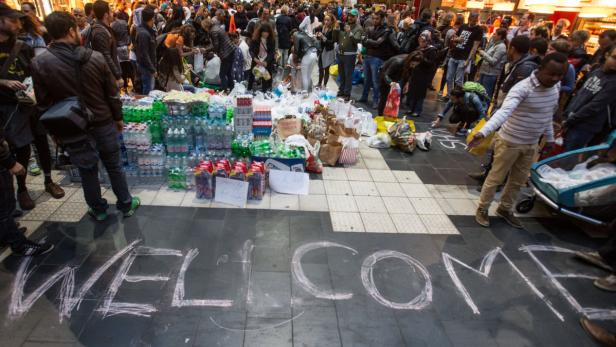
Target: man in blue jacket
point(467, 108)
point(591, 112)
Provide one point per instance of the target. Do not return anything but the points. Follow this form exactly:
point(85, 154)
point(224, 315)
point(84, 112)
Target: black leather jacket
point(381, 42)
point(103, 40)
point(55, 80)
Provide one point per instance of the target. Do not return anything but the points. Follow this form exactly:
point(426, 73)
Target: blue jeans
point(576, 138)
point(415, 104)
point(488, 82)
point(104, 145)
point(147, 80)
point(455, 73)
point(372, 65)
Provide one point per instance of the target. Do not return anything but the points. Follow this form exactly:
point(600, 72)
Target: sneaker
point(606, 283)
point(509, 218)
point(25, 201)
point(481, 217)
point(134, 205)
point(32, 249)
point(54, 190)
point(99, 216)
point(34, 169)
point(436, 123)
point(595, 259)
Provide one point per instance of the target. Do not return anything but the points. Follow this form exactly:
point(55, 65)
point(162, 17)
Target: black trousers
point(103, 144)
point(9, 234)
point(383, 92)
point(608, 252)
point(226, 72)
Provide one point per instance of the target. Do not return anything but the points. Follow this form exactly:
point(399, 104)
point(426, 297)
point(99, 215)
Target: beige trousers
point(512, 159)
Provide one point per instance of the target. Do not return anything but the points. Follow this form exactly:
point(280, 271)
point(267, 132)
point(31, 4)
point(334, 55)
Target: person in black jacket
point(145, 50)
point(54, 75)
point(240, 17)
point(284, 25)
point(589, 110)
point(327, 53)
point(380, 43)
point(263, 53)
point(120, 30)
point(103, 40)
point(398, 69)
point(10, 234)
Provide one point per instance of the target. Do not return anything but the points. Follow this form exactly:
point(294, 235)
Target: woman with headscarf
point(422, 76)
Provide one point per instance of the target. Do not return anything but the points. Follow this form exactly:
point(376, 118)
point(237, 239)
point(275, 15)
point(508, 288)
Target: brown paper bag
point(330, 153)
point(289, 126)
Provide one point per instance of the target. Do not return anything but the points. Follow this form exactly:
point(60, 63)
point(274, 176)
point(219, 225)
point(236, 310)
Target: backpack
point(477, 89)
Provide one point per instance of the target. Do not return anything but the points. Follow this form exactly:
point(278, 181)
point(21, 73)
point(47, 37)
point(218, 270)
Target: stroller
point(580, 184)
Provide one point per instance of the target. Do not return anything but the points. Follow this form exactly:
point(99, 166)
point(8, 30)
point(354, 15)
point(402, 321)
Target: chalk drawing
point(178, 293)
point(589, 312)
point(367, 278)
point(447, 140)
point(484, 270)
point(20, 305)
point(304, 282)
point(223, 259)
point(109, 308)
point(246, 260)
point(257, 329)
point(135, 279)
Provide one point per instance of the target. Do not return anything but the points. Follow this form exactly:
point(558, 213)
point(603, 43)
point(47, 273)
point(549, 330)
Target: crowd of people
point(526, 80)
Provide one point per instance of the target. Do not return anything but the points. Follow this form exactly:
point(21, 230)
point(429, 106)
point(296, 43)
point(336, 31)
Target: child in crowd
point(238, 59)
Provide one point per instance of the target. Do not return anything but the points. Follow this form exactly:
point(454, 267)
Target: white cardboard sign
point(232, 192)
point(289, 182)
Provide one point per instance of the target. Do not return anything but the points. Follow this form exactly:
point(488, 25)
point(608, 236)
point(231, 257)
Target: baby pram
point(567, 184)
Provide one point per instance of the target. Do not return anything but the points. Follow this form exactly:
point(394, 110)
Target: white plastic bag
point(199, 63)
point(212, 71)
point(368, 125)
point(382, 140)
point(423, 140)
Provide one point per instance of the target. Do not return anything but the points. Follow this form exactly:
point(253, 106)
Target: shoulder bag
point(69, 119)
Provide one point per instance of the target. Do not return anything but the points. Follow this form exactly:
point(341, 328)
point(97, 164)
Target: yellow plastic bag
point(483, 146)
point(333, 70)
point(383, 123)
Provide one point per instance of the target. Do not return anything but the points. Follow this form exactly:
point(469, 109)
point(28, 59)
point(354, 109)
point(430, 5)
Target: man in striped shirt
point(526, 114)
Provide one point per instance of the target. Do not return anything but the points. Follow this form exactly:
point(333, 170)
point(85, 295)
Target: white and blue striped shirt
point(526, 113)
